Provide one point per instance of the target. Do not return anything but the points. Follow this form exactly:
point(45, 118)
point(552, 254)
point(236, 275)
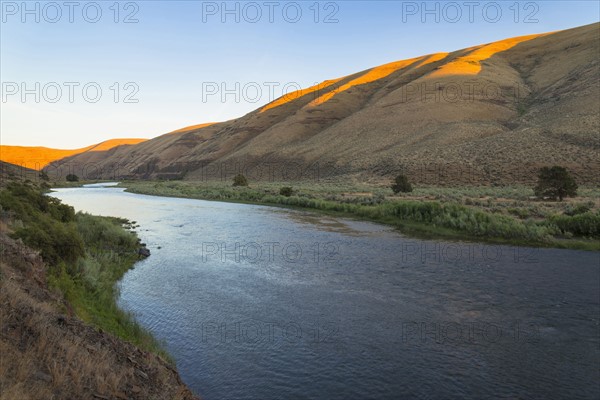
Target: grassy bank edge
point(96, 303)
point(412, 228)
point(86, 256)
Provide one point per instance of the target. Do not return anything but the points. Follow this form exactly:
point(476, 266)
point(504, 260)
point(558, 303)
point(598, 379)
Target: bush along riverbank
point(419, 217)
point(73, 322)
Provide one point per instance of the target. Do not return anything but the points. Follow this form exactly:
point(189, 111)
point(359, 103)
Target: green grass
point(490, 214)
point(86, 256)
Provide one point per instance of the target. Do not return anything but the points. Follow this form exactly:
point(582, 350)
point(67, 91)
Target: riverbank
point(502, 215)
point(63, 335)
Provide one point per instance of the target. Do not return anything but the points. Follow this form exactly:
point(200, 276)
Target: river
point(258, 302)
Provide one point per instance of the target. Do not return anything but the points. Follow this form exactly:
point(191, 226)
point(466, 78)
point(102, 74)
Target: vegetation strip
point(578, 228)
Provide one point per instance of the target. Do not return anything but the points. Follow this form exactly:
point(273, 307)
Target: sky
point(77, 73)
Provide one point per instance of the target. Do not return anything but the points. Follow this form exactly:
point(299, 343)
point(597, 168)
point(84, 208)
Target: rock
point(41, 376)
point(141, 373)
point(143, 252)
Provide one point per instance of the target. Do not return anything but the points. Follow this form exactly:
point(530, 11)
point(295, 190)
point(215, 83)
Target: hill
point(10, 172)
point(39, 157)
point(489, 114)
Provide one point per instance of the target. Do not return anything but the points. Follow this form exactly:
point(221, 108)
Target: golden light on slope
point(111, 143)
point(377, 73)
point(193, 127)
point(299, 93)
point(39, 157)
point(431, 59)
point(470, 64)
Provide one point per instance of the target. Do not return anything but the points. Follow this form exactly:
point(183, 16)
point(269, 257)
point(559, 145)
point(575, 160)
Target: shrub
point(586, 224)
point(401, 184)
point(47, 225)
point(286, 191)
point(72, 178)
point(555, 182)
point(577, 209)
point(104, 233)
point(522, 213)
point(56, 241)
point(240, 180)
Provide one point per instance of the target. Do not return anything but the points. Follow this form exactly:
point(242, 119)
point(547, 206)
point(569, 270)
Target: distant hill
point(489, 114)
point(10, 172)
point(38, 157)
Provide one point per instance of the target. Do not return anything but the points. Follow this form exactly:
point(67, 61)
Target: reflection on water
point(331, 224)
point(255, 302)
point(101, 184)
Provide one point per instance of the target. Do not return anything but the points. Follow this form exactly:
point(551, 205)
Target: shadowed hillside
point(10, 172)
point(490, 114)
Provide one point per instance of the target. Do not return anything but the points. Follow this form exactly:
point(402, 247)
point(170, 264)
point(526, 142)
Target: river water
point(257, 302)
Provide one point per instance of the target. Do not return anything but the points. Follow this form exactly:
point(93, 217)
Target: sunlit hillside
point(38, 157)
point(491, 113)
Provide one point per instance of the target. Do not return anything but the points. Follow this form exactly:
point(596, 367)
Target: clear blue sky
point(179, 52)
